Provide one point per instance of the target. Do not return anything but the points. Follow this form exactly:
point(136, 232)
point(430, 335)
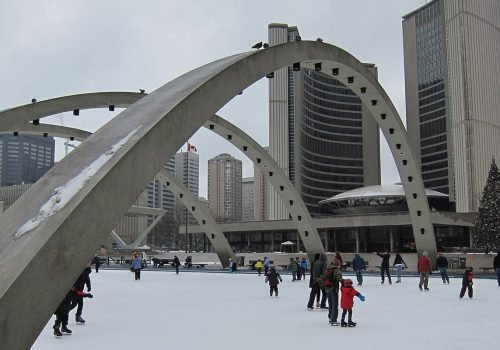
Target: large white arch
point(47, 232)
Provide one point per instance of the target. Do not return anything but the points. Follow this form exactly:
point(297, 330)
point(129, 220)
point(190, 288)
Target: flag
point(192, 148)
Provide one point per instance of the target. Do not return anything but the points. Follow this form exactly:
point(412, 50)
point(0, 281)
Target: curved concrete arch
point(47, 232)
point(272, 172)
point(278, 179)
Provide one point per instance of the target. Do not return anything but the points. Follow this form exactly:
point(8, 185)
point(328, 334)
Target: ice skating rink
point(203, 310)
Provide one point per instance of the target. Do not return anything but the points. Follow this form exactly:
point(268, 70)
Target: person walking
point(303, 267)
point(274, 278)
point(176, 263)
point(467, 283)
point(424, 268)
point(398, 264)
point(97, 262)
point(292, 266)
point(267, 264)
point(384, 266)
point(318, 269)
point(347, 302)
point(136, 266)
point(299, 270)
point(331, 281)
point(259, 265)
point(358, 265)
point(82, 281)
point(496, 266)
point(442, 265)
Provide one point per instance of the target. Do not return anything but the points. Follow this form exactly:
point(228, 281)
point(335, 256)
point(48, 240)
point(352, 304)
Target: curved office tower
point(452, 94)
point(319, 132)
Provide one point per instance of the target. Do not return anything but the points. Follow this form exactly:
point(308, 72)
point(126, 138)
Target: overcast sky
point(56, 48)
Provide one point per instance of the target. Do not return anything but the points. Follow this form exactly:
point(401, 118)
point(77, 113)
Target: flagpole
point(187, 185)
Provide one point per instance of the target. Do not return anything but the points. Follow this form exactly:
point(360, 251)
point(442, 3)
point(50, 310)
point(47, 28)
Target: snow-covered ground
point(201, 310)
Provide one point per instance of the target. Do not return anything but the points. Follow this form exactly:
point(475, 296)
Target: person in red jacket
point(467, 283)
point(424, 269)
point(63, 309)
point(347, 302)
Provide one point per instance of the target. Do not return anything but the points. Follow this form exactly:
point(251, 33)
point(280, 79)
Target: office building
point(187, 169)
point(25, 158)
point(451, 58)
point(320, 133)
point(247, 199)
point(224, 188)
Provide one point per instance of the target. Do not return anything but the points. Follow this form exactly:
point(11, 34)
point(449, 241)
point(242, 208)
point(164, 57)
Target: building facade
point(247, 199)
point(25, 158)
point(224, 188)
point(319, 133)
point(187, 169)
point(453, 94)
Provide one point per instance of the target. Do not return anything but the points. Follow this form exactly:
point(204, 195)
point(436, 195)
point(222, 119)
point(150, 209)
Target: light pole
point(187, 185)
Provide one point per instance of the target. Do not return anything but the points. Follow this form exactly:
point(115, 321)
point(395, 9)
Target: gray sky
point(56, 48)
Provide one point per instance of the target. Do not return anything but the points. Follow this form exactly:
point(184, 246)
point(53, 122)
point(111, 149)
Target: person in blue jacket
point(136, 266)
point(358, 265)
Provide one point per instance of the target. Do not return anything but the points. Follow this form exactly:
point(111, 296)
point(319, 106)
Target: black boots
point(79, 319)
point(66, 330)
point(57, 332)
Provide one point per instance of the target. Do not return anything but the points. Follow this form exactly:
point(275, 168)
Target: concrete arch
point(47, 232)
point(278, 179)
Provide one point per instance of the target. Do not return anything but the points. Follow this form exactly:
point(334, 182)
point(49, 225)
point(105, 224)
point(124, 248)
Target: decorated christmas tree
point(486, 231)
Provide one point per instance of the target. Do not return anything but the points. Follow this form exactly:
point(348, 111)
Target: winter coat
point(84, 279)
point(65, 305)
point(293, 266)
point(303, 264)
point(496, 262)
point(385, 259)
point(136, 264)
point(259, 265)
point(332, 278)
point(467, 278)
point(358, 263)
point(176, 261)
point(424, 264)
point(398, 260)
point(347, 298)
point(267, 263)
point(273, 278)
point(441, 261)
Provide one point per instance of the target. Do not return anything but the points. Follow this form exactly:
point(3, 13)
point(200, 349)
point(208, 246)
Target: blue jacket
point(358, 263)
point(136, 263)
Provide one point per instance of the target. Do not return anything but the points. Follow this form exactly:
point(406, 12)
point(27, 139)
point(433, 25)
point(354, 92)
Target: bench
point(485, 269)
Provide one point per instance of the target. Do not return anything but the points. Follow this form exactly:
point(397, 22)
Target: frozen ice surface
point(201, 310)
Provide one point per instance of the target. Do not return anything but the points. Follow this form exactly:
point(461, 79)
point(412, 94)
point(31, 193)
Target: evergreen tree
point(486, 233)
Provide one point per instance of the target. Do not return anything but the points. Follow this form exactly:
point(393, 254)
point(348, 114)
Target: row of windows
point(332, 168)
point(333, 133)
point(430, 88)
point(330, 178)
point(330, 159)
point(435, 174)
point(433, 128)
point(335, 117)
point(433, 140)
point(330, 92)
point(431, 99)
point(311, 99)
point(437, 105)
point(434, 157)
point(434, 149)
point(440, 113)
point(434, 166)
point(332, 149)
point(320, 77)
point(436, 183)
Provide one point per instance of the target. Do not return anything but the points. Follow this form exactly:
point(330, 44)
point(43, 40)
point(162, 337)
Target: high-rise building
point(320, 133)
point(159, 196)
point(247, 199)
point(25, 158)
point(262, 190)
point(451, 57)
point(224, 188)
point(187, 169)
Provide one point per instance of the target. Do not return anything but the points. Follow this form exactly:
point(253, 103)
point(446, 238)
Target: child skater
point(467, 282)
point(274, 279)
point(63, 309)
point(347, 302)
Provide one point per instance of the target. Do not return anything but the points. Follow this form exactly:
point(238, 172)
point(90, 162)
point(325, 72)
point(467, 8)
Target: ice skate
point(351, 324)
point(334, 323)
point(79, 319)
point(57, 332)
point(343, 324)
point(66, 330)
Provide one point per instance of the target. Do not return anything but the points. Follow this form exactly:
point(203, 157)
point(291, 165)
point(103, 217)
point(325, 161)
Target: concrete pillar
point(391, 238)
point(356, 235)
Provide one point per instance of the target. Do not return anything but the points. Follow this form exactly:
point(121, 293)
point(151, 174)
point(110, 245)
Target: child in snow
point(467, 282)
point(63, 309)
point(274, 279)
point(347, 302)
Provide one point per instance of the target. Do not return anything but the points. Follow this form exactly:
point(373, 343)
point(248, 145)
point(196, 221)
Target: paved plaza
point(219, 310)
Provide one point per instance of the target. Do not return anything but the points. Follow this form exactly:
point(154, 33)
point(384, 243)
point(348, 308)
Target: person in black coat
point(97, 262)
point(384, 266)
point(442, 265)
point(176, 263)
point(318, 269)
point(82, 281)
point(62, 311)
point(274, 278)
point(496, 266)
point(467, 283)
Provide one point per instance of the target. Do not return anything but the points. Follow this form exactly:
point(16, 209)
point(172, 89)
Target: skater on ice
point(331, 282)
point(467, 283)
point(358, 265)
point(136, 266)
point(274, 279)
point(62, 311)
point(442, 265)
point(384, 266)
point(82, 281)
point(398, 264)
point(424, 268)
point(318, 269)
point(259, 265)
point(347, 302)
